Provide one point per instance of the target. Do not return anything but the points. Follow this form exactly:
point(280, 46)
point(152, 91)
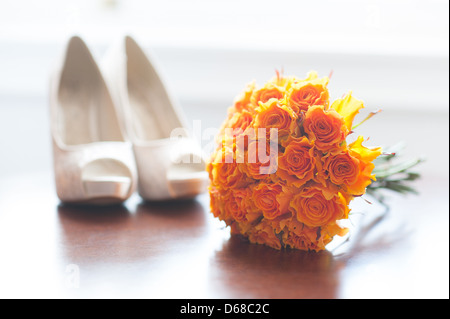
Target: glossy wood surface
point(178, 250)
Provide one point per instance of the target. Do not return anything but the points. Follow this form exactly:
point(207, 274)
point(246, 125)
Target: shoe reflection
point(184, 211)
point(94, 235)
point(91, 235)
point(77, 217)
point(246, 270)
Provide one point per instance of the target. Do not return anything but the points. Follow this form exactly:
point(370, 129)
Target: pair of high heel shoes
point(116, 130)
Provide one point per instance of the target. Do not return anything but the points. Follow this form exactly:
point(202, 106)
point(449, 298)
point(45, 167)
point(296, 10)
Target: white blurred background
point(392, 54)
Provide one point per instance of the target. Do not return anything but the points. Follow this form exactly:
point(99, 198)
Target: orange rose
point(238, 204)
point(329, 231)
point(314, 210)
point(326, 128)
point(209, 168)
point(365, 157)
point(227, 175)
point(342, 168)
point(324, 235)
point(260, 168)
point(240, 121)
point(272, 199)
point(299, 236)
point(284, 82)
point(215, 201)
point(306, 239)
point(305, 94)
point(297, 164)
point(266, 93)
point(243, 102)
point(235, 126)
point(264, 234)
point(218, 200)
point(275, 115)
point(232, 207)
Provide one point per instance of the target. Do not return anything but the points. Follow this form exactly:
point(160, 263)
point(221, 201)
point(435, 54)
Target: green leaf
point(397, 168)
point(394, 176)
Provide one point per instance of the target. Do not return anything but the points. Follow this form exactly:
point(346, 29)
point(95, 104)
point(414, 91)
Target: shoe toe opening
point(187, 178)
point(107, 178)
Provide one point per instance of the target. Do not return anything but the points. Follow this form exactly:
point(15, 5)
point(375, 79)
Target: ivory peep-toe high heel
point(168, 167)
point(93, 164)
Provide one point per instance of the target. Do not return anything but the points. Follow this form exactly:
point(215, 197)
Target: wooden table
point(178, 250)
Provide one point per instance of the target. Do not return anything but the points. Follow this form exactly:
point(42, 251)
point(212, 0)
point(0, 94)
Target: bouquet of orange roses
point(284, 172)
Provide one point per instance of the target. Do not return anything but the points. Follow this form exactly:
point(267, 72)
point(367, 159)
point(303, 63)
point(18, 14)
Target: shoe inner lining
point(85, 112)
point(151, 111)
